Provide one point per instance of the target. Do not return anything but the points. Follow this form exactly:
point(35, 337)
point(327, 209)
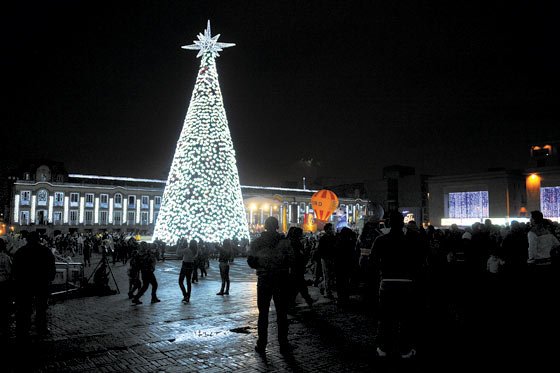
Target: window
point(73, 217)
point(155, 216)
point(550, 202)
point(103, 215)
point(117, 217)
point(74, 199)
point(25, 198)
point(24, 217)
point(144, 218)
point(131, 218)
point(89, 199)
point(157, 201)
point(466, 205)
point(145, 202)
point(118, 200)
point(104, 200)
point(60, 178)
point(58, 198)
point(57, 217)
point(89, 217)
point(42, 197)
point(27, 176)
point(131, 201)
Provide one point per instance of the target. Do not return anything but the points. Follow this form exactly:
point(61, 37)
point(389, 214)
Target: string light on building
point(202, 198)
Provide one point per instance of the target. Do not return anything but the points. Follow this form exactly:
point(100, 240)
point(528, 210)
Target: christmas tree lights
point(202, 198)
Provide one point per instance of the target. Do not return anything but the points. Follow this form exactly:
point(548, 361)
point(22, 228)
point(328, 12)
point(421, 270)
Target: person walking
point(190, 254)
point(33, 270)
point(272, 257)
point(147, 269)
point(226, 256)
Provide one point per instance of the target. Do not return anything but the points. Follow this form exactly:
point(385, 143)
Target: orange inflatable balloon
point(324, 202)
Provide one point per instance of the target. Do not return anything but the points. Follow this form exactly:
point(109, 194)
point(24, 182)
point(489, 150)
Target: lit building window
point(73, 217)
point(59, 198)
point(103, 217)
point(550, 202)
point(145, 202)
point(25, 198)
point(57, 217)
point(74, 199)
point(464, 205)
point(144, 218)
point(157, 201)
point(89, 217)
point(118, 200)
point(117, 217)
point(24, 217)
point(104, 200)
point(89, 200)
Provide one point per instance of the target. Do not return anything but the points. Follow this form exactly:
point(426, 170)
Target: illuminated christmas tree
point(202, 198)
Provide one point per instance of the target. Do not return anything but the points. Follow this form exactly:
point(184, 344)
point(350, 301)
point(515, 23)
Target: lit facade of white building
point(90, 203)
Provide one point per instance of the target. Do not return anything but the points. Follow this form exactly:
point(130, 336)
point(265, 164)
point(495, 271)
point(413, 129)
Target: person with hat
point(272, 256)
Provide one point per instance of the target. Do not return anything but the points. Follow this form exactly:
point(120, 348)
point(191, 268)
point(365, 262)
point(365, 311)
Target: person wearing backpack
point(272, 256)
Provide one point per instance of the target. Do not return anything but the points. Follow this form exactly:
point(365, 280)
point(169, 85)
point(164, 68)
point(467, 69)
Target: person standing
point(272, 257)
point(398, 259)
point(226, 256)
point(5, 288)
point(326, 249)
point(33, 270)
point(190, 254)
point(299, 286)
point(147, 269)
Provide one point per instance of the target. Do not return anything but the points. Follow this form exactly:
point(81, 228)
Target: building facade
point(499, 195)
point(50, 201)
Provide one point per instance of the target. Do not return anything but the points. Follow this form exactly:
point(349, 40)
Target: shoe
point(226, 293)
point(220, 293)
point(260, 349)
point(185, 300)
point(155, 300)
point(380, 352)
point(409, 355)
point(136, 301)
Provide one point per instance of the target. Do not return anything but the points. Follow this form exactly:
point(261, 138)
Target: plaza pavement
point(210, 334)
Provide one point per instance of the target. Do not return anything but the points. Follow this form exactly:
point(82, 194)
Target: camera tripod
point(104, 261)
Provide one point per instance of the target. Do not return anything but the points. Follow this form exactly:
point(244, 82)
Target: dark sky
point(446, 87)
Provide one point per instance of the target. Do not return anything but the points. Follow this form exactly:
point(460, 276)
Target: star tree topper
point(207, 43)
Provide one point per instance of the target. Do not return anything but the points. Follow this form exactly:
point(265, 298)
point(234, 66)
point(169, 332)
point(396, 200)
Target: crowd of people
point(406, 270)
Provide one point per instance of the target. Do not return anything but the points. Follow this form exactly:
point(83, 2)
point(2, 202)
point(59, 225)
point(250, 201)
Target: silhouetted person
point(344, 256)
point(299, 286)
point(272, 256)
point(398, 259)
point(190, 253)
point(147, 269)
point(326, 249)
point(33, 270)
point(6, 288)
point(226, 256)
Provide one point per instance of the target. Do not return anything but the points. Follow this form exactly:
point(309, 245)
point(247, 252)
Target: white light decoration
point(51, 206)
point(66, 204)
point(96, 211)
point(82, 206)
point(151, 217)
point(16, 209)
point(202, 198)
point(110, 217)
point(33, 201)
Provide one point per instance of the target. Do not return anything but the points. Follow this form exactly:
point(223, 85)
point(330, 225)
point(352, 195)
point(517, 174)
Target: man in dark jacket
point(33, 270)
point(327, 252)
point(272, 256)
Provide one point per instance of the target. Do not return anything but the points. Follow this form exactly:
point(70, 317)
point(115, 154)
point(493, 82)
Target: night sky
point(353, 86)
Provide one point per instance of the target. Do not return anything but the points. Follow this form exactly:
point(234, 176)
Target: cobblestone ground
point(210, 334)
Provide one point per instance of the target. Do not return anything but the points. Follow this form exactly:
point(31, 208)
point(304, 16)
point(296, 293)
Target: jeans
point(148, 278)
point(224, 274)
point(273, 288)
point(186, 273)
